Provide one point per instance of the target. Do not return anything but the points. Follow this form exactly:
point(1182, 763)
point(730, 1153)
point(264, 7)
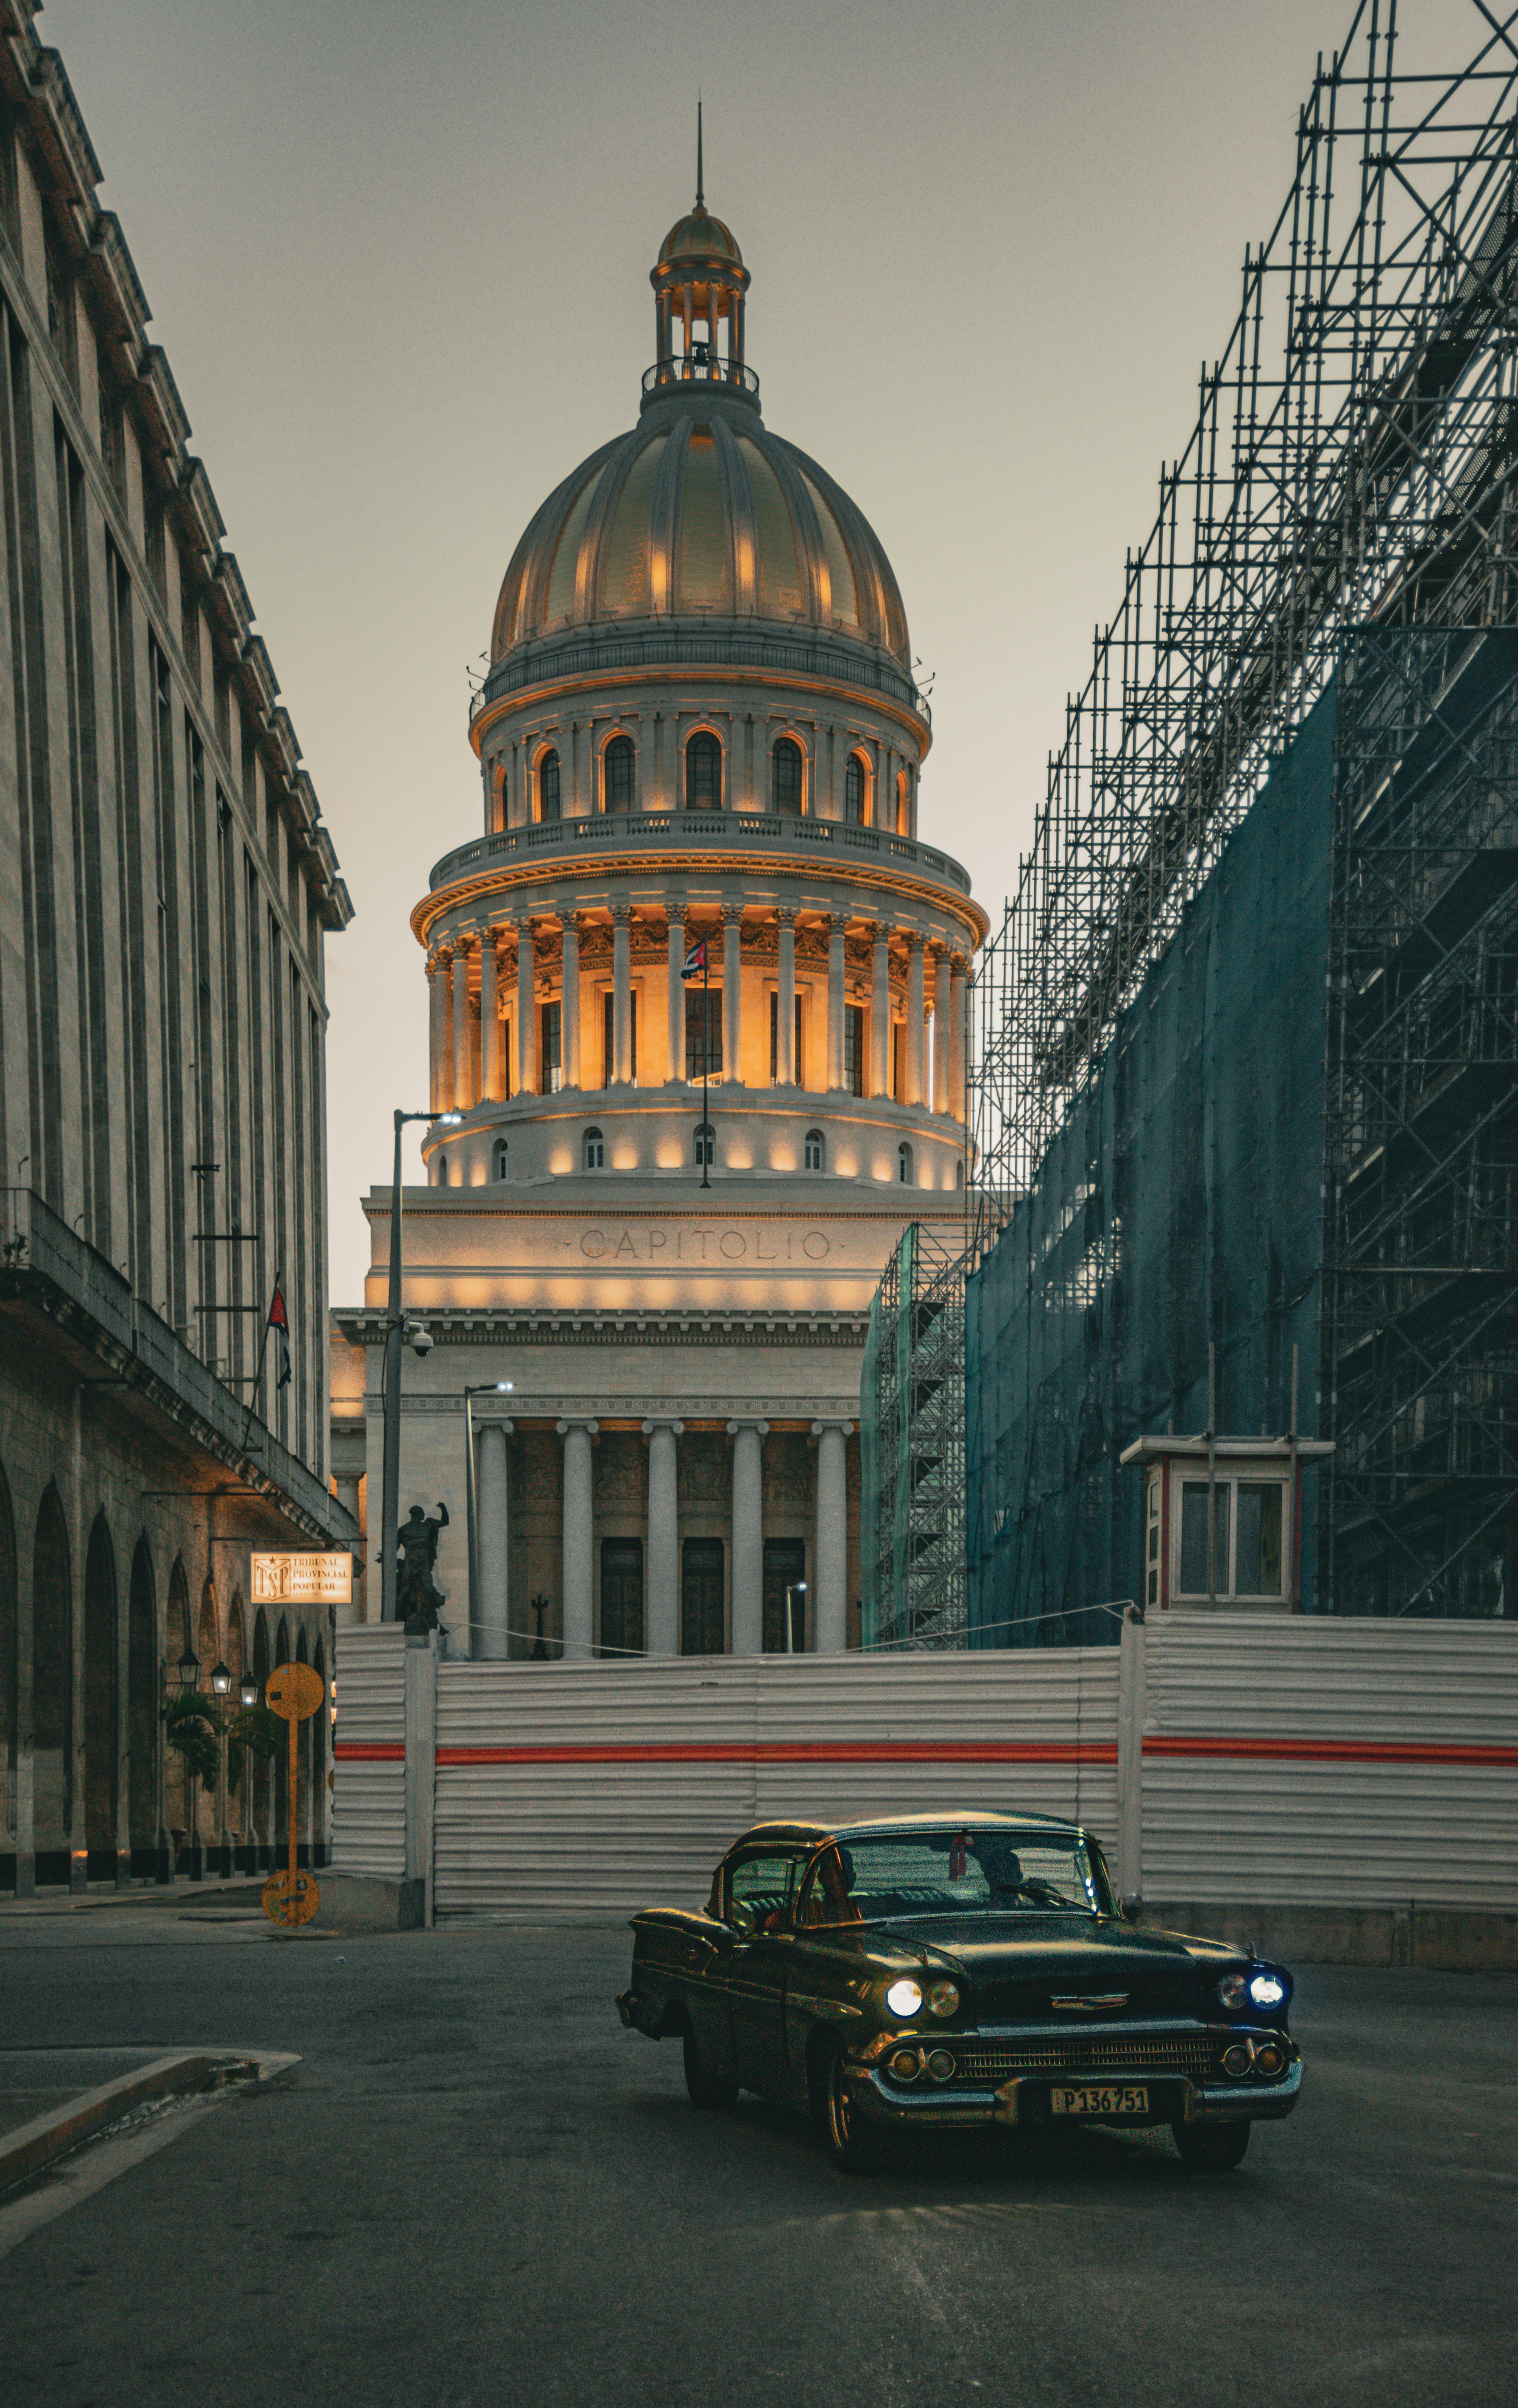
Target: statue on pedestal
point(418, 1597)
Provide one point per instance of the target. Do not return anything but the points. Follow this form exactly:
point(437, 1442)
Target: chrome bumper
point(1210, 2102)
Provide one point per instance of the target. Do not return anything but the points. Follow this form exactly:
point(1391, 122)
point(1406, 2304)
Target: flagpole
point(262, 1350)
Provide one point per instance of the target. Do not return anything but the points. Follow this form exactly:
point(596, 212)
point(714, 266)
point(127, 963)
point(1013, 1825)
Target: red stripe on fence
point(1332, 1751)
point(354, 1751)
point(793, 1752)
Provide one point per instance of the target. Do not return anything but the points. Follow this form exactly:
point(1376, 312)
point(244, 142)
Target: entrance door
point(621, 1598)
point(786, 1565)
point(701, 1597)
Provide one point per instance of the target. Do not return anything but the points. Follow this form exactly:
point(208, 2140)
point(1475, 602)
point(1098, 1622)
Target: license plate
point(1101, 2101)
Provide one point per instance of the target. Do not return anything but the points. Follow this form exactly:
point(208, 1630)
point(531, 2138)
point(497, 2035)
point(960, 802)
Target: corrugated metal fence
point(1219, 1757)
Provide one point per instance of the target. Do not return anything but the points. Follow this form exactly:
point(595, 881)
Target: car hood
point(1016, 1965)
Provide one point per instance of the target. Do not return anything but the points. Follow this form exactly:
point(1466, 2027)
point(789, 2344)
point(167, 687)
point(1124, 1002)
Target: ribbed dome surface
point(696, 516)
point(700, 235)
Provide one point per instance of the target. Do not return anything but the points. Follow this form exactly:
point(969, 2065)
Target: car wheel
point(706, 2089)
point(1211, 2148)
point(855, 2144)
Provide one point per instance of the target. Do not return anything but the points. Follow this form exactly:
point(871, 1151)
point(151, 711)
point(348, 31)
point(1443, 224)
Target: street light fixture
point(482, 1388)
point(247, 1690)
point(794, 1588)
point(221, 1681)
point(188, 1668)
point(390, 1383)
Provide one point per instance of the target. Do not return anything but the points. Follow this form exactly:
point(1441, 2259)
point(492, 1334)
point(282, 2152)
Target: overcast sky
point(398, 257)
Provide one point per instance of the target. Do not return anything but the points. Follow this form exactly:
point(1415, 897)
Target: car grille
point(1187, 2053)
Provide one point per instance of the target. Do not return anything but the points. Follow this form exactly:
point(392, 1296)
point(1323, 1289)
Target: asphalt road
point(478, 2190)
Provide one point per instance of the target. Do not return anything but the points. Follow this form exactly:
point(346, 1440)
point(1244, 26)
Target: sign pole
point(295, 1692)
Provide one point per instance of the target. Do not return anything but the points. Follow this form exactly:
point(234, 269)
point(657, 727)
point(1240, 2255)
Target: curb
point(33, 2145)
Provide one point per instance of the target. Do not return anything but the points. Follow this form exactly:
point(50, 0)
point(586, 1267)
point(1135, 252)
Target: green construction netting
point(1179, 1206)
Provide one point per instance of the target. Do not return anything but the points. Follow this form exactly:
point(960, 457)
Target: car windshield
point(975, 1871)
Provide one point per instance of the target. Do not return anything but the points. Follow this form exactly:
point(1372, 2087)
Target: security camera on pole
point(399, 1331)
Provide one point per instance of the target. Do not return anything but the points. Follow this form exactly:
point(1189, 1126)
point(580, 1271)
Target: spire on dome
point(700, 194)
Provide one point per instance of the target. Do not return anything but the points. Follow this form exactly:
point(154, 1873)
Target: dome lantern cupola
point(699, 287)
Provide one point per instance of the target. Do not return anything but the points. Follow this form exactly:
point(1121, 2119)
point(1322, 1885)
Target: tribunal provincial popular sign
point(302, 1579)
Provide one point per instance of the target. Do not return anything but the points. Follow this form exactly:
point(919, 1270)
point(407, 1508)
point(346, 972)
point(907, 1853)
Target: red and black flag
point(280, 1323)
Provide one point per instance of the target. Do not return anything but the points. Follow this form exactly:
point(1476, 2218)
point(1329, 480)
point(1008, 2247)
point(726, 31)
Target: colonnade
point(829, 1550)
point(465, 1073)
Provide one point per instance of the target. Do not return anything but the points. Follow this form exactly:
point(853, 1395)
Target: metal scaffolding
point(1351, 461)
point(912, 1429)
point(1344, 506)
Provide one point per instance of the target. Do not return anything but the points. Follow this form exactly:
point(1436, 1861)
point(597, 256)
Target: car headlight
point(1269, 1986)
point(1233, 1992)
point(942, 1999)
point(904, 1999)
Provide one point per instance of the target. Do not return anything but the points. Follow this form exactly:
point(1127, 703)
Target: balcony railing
point(799, 650)
point(600, 832)
point(700, 366)
point(38, 1248)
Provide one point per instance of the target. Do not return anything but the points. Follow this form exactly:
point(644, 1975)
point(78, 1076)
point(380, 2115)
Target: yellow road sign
point(284, 1905)
point(295, 1692)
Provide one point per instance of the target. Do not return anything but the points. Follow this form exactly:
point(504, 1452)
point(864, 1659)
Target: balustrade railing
point(739, 830)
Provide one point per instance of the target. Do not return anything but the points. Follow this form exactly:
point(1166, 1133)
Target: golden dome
point(700, 235)
point(701, 514)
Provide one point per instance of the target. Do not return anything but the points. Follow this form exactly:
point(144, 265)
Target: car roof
point(814, 1834)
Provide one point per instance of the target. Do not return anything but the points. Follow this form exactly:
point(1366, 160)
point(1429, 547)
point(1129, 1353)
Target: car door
point(761, 1898)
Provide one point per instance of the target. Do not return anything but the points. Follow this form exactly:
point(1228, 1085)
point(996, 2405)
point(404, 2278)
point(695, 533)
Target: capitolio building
point(697, 1002)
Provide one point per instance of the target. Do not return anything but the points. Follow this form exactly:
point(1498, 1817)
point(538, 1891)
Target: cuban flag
point(696, 961)
point(280, 1323)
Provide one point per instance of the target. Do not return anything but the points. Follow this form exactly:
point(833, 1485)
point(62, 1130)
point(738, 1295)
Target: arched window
point(703, 772)
point(595, 1150)
point(904, 803)
point(959, 1174)
point(548, 786)
point(52, 1675)
point(904, 1165)
point(704, 1136)
point(786, 783)
point(442, 1171)
point(814, 1150)
point(620, 762)
point(101, 1658)
point(853, 792)
point(498, 1159)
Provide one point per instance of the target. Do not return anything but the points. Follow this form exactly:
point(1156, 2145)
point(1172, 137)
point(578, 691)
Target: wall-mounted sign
point(306, 1579)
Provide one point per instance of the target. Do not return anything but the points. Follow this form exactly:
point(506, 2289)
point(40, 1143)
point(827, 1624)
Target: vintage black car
point(944, 1969)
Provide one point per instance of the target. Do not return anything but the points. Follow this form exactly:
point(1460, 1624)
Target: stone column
point(440, 971)
point(578, 1542)
point(731, 994)
point(943, 1013)
point(676, 997)
point(747, 1537)
point(958, 1033)
point(663, 1633)
point(570, 1002)
point(464, 1094)
point(786, 1062)
point(622, 993)
point(830, 1555)
point(835, 969)
point(916, 1020)
point(879, 1013)
point(491, 1085)
point(488, 1637)
point(527, 1012)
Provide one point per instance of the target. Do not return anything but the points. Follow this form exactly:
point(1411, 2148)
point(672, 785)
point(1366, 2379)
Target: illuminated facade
point(667, 1197)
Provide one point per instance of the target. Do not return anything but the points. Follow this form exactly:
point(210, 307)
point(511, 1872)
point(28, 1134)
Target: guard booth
point(1242, 1493)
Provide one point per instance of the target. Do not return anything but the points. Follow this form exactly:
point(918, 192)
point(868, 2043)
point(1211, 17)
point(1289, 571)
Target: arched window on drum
point(595, 1150)
point(620, 769)
point(816, 1150)
point(855, 792)
point(786, 778)
point(704, 1136)
point(703, 772)
point(548, 786)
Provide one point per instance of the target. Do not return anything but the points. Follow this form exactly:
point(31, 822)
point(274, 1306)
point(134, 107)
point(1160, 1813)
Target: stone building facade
point(169, 888)
point(697, 1009)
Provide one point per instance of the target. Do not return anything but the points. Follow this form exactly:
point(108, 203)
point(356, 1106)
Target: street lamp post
point(189, 1672)
point(222, 1687)
point(390, 1505)
point(482, 1388)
